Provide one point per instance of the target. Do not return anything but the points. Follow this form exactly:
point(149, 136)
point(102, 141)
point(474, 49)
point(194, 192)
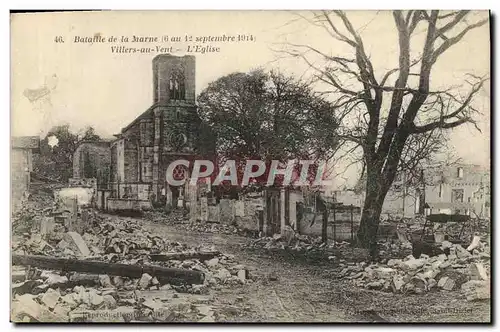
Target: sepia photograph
point(250, 166)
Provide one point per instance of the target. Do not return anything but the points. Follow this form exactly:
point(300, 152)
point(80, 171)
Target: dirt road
point(309, 293)
point(298, 294)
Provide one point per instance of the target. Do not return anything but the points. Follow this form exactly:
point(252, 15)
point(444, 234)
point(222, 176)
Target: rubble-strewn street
point(126, 269)
point(250, 173)
point(116, 271)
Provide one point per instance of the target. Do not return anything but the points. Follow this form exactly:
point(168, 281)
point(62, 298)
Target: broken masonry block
point(76, 242)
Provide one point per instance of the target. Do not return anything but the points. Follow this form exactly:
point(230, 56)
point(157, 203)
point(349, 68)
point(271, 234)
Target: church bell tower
point(174, 79)
point(176, 123)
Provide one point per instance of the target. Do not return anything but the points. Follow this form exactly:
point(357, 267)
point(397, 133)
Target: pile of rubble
point(218, 228)
point(123, 237)
point(310, 246)
point(106, 237)
point(30, 213)
point(464, 269)
point(290, 240)
point(180, 219)
point(394, 249)
point(50, 296)
point(171, 217)
point(407, 227)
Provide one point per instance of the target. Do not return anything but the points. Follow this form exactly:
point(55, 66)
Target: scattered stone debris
point(76, 244)
point(294, 242)
point(181, 219)
point(109, 293)
point(476, 290)
point(145, 281)
point(218, 228)
point(412, 275)
point(50, 298)
point(310, 246)
point(273, 276)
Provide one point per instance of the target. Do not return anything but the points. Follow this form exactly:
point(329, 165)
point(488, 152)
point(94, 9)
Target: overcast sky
point(105, 90)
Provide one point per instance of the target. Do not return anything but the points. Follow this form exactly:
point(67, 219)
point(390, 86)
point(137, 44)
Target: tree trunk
point(324, 226)
point(370, 218)
point(322, 206)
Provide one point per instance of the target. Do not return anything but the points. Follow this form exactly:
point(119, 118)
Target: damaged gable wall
point(92, 160)
point(462, 188)
point(21, 165)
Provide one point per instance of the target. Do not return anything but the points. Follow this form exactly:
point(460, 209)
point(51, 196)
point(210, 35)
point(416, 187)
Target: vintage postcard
point(250, 166)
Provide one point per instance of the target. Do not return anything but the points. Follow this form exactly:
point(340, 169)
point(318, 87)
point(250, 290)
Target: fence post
point(334, 226)
point(352, 223)
point(74, 211)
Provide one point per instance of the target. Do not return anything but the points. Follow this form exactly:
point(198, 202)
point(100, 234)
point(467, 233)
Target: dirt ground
point(305, 292)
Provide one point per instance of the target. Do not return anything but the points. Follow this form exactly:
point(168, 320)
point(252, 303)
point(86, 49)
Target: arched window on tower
point(177, 90)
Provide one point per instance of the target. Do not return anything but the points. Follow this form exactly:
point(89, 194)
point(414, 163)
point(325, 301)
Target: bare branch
point(460, 113)
point(417, 17)
point(340, 36)
point(453, 40)
point(395, 70)
point(456, 20)
point(340, 60)
point(439, 124)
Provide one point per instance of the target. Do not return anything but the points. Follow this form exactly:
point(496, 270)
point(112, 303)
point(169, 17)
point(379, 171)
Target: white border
point(184, 4)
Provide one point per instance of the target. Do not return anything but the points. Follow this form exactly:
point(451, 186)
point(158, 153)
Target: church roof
point(25, 142)
point(147, 113)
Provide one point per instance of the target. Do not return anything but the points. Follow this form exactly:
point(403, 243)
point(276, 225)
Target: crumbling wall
point(101, 199)
point(343, 227)
point(131, 154)
point(20, 174)
point(118, 150)
point(203, 211)
point(247, 213)
point(394, 207)
point(92, 160)
point(243, 213)
point(139, 191)
point(226, 211)
point(296, 198)
point(475, 198)
point(397, 205)
point(213, 213)
point(115, 204)
point(65, 196)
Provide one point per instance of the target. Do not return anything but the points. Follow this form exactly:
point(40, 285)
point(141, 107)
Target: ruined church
point(168, 130)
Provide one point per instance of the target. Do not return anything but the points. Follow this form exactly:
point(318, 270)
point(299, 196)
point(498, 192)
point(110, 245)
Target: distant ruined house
point(22, 149)
point(457, 189)
point(92, 160)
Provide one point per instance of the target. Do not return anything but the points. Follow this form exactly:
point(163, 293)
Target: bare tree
point(394, 116)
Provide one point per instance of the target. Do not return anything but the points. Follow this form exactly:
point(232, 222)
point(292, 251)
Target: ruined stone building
point(92, 160)
point(168, 130)
point(21, 158)
point(457, 189)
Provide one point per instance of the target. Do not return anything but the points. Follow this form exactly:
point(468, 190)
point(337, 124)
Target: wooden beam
point(163, 274)
point(201, 255)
